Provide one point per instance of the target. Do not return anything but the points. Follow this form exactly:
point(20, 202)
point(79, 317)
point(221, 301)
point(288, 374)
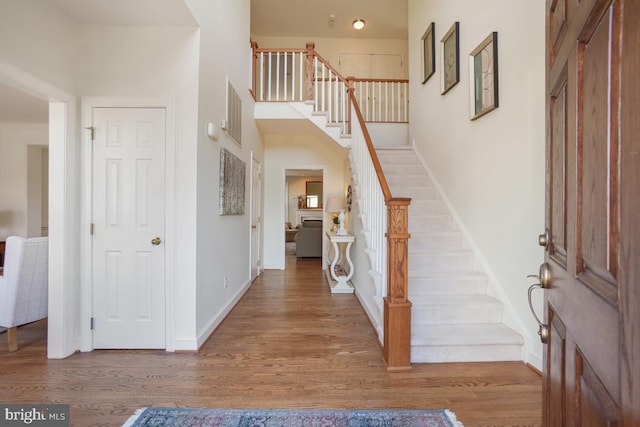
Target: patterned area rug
point(185, 417)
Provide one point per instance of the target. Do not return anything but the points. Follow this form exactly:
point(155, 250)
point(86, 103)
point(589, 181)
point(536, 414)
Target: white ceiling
point(282, 18)
point(310, 18)
point(128, 12)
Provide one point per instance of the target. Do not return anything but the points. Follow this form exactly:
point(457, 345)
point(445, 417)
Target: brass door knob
point(543, 276)
point(543, 239)
point(156, 241)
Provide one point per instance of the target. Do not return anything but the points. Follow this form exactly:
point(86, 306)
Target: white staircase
point(453, 317)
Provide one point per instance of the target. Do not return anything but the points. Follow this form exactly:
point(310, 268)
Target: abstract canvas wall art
point(232, 181)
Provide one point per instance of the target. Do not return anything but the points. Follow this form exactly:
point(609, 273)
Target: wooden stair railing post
point(254, 47)
point(311, 53)
point(397, 308)
point(351, 88)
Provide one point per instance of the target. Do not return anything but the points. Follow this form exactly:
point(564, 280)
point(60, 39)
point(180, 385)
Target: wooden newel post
point(254, 47)
point(351, 89)
point(397, 308)
point(311, 53)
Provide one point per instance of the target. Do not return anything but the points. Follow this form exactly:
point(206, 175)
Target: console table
point(339, 273)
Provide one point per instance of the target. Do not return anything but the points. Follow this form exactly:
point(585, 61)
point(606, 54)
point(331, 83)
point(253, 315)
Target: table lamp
point(337, 204)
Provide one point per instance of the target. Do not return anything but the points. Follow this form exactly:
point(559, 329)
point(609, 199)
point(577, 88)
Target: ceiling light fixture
point(358, 24)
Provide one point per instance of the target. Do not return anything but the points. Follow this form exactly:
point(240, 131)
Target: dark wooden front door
point(592, 306)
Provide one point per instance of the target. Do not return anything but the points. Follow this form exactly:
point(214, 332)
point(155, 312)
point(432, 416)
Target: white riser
point(464, 343)
point(455, 309)
point(405, 180)
point(433, 223)
point(414, 168)
point(421, 242)
point(416, 194)
point(427, 207)
point(477, 353)
point(471, 282)
point(429, 262)
point(391, 156)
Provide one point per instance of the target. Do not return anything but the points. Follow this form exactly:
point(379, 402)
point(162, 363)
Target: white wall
point(145, 63)
point(127, 65)
point(223, 242)
point(389, 134)
point(35, 36)
point(331, 48)
point(21, 180)
point(296, 152)
point(492, 170)
point(37, 55)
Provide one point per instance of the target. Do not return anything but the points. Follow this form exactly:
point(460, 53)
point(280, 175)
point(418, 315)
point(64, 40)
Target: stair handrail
point(397, 307)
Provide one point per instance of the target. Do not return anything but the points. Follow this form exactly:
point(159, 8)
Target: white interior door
point(256, 213)
point(128, 222)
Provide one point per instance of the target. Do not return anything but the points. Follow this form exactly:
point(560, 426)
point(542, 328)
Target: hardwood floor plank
point(289, 343)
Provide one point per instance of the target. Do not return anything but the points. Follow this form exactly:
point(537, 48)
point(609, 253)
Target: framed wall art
point(428, 53)
point(450, 58)
point(483, 77)
point(232, 179)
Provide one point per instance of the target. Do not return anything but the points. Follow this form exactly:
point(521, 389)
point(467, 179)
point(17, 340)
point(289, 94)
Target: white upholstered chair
point(24, 284)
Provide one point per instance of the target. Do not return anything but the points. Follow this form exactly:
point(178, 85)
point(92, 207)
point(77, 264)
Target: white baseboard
point(213, 324)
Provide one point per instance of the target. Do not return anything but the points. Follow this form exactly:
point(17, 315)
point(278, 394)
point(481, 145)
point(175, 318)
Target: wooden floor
point(288, 344)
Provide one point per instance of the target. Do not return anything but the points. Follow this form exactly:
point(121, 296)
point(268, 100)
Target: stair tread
point(443, 253)
point(454, 299)
point(395, 148)
point(461, 273)
point(440, 253)
point(429, 233)
point(467, 334)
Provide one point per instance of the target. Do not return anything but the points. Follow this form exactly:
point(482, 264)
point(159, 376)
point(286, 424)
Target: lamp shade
point(335, 204)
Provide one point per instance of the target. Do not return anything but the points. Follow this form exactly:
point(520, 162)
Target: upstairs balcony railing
point(301, 75)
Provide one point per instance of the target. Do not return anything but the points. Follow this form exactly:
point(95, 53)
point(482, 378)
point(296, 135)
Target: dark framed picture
point(450, 48)
point(483, 76)
point(428, 53)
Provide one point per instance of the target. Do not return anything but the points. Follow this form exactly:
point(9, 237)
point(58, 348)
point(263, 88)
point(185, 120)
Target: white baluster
point(285, 78)
point(324, 106)
point(270, 77)
point(261, 97)
point(330, 100)
point(278, 56)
